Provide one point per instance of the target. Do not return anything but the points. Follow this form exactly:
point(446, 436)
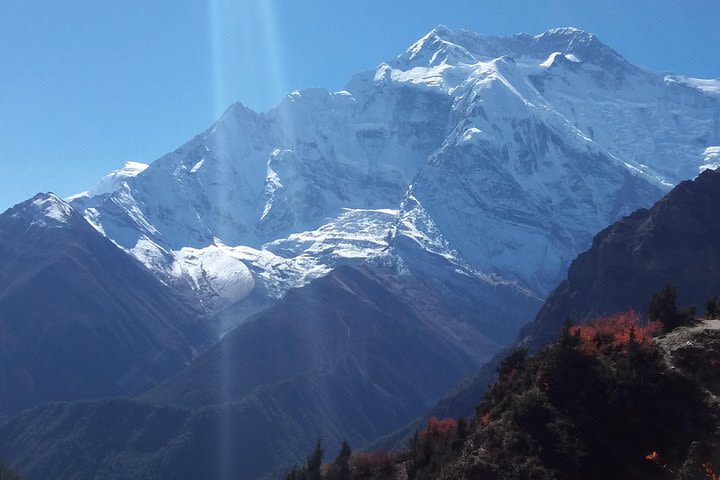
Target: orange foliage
point(373, 462)
point(653, 457)
point(439, 430)
point(596, 336)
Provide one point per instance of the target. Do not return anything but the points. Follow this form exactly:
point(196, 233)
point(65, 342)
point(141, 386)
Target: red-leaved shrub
point(597, 336)
point(439, 430)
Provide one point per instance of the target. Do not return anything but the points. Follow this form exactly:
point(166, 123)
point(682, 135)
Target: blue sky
point(86, 85)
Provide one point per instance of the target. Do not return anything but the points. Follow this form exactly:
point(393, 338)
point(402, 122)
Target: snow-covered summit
point(458, 46)
point(110, 182)
point(44, 210)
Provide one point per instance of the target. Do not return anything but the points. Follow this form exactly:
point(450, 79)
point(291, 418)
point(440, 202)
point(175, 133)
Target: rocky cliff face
point(695, 352)
point(673, 242)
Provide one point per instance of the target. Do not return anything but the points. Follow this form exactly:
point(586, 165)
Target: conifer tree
point(663, 308)
point(712, 308)
point(314, 463)
point(7, 474)
point(569, 339)
point(340, 468)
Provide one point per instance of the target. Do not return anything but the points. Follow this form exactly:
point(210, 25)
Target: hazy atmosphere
point(274, 240)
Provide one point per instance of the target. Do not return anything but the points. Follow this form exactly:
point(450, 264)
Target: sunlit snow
point(501, 155)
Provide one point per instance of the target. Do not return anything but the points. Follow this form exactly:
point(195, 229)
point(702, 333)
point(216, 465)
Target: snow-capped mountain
point(502, 156)
point(110, 182)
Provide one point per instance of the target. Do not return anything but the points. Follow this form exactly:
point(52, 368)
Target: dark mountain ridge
point(79, 318)
point(354, 354)
point(675, 241)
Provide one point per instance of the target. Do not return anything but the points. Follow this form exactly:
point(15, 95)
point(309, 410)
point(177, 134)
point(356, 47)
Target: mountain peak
point(110, 182)
point(584, 45)
point(438, 45)
point(440, 30)
point(567, 31)
point(458, 46)
point(570, 38)
point(51, 205)
point(134, 166)
point(44, 209)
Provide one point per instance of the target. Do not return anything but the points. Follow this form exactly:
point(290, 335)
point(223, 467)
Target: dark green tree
point(340, 468)
point(462, 429)
point(712, 307)
point(314, 463)
point(513, 361)
point(663, 308)
point(296, 473)
point(7, 474)
point(569, 340)
point(461, 434)
point(634, 349)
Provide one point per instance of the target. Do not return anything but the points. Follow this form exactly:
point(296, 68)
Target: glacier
point(496, 158)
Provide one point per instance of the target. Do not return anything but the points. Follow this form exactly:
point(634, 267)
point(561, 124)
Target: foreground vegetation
point(599, 404)
point(7, 474)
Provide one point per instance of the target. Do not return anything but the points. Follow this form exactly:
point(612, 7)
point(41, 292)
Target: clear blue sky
point(86, 85)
